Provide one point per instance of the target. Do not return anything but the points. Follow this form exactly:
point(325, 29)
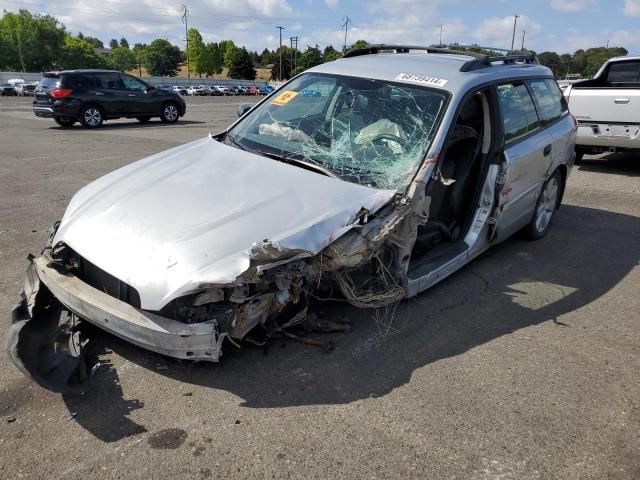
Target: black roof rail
point(381, 47)
point(480, 60)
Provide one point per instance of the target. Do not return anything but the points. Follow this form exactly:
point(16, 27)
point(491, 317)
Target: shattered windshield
point(370, 132)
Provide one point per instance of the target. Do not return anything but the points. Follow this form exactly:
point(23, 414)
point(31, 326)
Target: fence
point(158, 81)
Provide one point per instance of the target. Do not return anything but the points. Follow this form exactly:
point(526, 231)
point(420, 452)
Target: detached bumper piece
point(44, 340)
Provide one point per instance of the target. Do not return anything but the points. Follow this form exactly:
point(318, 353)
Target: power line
point(280, 50)
point(345, 26)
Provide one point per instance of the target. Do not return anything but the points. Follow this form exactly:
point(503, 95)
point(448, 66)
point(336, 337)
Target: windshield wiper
point(235, 142)
point(296, 161)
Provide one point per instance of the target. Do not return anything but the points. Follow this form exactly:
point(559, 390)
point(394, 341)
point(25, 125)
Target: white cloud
point(632, 8)
point(497, 32)
point(571, 5)
point(331, 3)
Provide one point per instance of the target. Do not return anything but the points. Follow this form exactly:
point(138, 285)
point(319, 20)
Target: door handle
point(99, 93)
point(547, 150)
point(132, 95)
point(621, 101)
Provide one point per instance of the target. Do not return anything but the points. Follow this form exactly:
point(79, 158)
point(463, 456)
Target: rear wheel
point(579, 156)
point(91, 116)
point(170, 113)
point(545, 207)
point(65, 121)
point(143, 119)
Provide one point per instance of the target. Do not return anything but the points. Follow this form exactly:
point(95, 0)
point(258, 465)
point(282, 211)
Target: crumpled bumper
point(36, 334)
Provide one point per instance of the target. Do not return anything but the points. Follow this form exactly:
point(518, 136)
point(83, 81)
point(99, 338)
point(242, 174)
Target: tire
point(91, 116)
point(170, 112)
point(65, 122)
point(143, 119)
point(546, 207)
point(579, 157)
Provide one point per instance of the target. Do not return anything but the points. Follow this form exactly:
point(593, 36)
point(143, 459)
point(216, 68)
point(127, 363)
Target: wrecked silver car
point(401, 167)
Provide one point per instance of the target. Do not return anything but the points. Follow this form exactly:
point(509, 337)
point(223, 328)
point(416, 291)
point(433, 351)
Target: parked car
point(265, 90)
point(179, 89)
point(216, 91)
point(93, 96)
point(379, 190)
point(607, 108)
point(310, 92)
point(25, 89)
point(254, 90)
point(7, 90)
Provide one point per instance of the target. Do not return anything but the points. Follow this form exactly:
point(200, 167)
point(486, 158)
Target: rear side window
point(79, 81)
point(50, 82)
point(624, 72)
point(108, 81)
point(549, 99)
point(518, 112)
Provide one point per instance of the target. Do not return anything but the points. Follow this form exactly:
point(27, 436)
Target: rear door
point(110, 93)
point(553, 113)
point(527, 158)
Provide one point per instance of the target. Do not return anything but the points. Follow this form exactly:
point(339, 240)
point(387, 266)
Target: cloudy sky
point(559, 25)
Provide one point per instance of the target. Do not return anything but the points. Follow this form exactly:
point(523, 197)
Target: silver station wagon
point(402, 165)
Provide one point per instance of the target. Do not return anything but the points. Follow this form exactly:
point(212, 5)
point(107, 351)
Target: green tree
point(212, 59)
point(242, 65)
point(311, 57)
point(124, 43)
point(358, 44)
point(195, 52)
point(229, 50)
point(267, 57)
point(30, 43)
point(330, 54)
point(77, 53)
point(162, 59)
point(113, 43)
point(286, 63)
point(96, 42)
point(139, 51)
point(122, 59)
point(551, 60)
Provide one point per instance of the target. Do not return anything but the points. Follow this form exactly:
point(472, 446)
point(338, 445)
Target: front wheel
point(91, 116)
point(169, 113)
point(65, 122)
point(546, 207)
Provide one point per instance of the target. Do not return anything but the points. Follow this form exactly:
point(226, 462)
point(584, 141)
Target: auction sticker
point(423, 79)
point(284, 98)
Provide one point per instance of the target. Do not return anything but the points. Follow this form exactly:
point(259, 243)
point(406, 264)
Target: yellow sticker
point(284, 98)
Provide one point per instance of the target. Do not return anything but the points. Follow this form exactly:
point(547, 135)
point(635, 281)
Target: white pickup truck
point(607, 108)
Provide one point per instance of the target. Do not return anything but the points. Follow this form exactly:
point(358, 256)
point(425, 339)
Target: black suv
point(93, 96)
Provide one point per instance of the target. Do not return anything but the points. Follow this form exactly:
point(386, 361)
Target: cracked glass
point(371, 132)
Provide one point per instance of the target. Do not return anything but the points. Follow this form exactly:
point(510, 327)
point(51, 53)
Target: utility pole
point(294, 53)
point(607, 47)
point(345, 26)
point(441, 29)
point(524, 32)
point(281, 28)
point(185, 20)
point(513, 37)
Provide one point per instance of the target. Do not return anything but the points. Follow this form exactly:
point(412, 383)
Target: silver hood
point(189, 216)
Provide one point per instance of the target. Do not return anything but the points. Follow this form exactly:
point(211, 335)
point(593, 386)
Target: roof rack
point(479, 60)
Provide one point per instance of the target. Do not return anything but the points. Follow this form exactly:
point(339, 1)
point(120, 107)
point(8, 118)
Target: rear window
point(624, 72)
point(79, 81)
point(518, 112)
point(50, 82)
point(550, 101)
point(108, 81)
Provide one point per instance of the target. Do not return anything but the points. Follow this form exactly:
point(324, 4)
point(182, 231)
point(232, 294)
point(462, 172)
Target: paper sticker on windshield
point(284, 98)
point(424, 79)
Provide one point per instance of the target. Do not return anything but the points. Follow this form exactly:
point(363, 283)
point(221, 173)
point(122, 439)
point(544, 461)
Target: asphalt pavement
point(523, 365)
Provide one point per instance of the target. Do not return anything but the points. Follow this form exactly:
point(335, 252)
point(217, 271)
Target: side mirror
point(243, 108)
